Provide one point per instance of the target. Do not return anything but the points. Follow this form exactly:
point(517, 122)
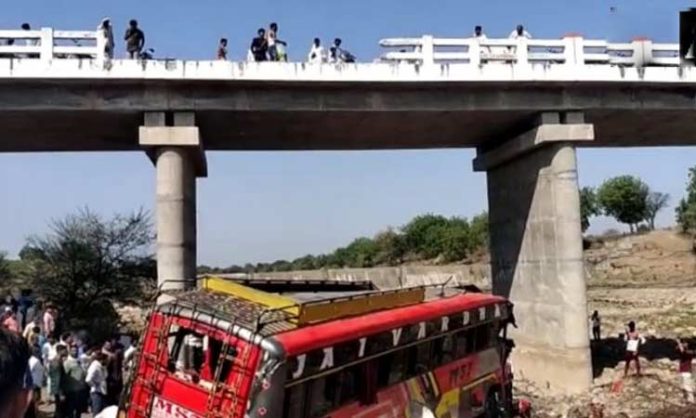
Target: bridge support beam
point(177, 154)
point(536, 249)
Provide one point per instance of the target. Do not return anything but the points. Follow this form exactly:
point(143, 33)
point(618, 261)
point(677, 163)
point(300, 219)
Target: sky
point(263, 206)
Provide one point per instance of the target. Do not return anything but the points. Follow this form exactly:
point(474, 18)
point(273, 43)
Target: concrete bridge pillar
point(172, 142)
point(536, 249)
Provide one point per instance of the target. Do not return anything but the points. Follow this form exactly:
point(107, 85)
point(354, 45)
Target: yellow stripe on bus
point(271, 300)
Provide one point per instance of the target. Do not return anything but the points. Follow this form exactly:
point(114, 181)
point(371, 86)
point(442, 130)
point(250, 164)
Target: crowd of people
point(266, 46)
point(65, 368)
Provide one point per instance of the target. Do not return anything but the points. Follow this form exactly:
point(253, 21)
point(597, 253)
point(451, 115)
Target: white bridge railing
point(47, 44)
point(571, 50)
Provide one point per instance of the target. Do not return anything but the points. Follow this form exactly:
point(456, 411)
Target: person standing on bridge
point(222, 50)
point(106, 31)
point(276, 47)
point(520, 33)
point(259, 46)
point(478, 33)
point(135, 39)
point(316, 53)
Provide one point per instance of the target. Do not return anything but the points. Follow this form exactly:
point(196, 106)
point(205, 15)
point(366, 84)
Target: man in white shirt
point(520, 32)
point(38, 374)
point(316, 53)
point(96, 380)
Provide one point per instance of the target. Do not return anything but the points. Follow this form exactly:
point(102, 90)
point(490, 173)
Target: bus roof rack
point(303, 311)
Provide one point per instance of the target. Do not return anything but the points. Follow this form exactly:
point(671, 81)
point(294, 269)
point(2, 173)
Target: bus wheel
point(494, 405)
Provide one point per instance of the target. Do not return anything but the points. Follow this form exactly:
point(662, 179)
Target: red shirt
point(685, 358)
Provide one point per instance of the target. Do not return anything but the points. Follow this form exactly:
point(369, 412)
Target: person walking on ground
point(686, 356)
point(135, 39)
point(106, 31)
point(74, 385)
point(259, 46)
point(56, 374)
point(15, 382)
point(114, 381)
point(316, 52)
point(49, 320)
point(96, 380)
point(520, 33)
point(10, 322)
point(633, 341)
point(596, 326)
point(38, 374)
point(222, 49)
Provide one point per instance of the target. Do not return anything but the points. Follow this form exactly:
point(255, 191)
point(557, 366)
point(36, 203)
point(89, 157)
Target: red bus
point(226, 350)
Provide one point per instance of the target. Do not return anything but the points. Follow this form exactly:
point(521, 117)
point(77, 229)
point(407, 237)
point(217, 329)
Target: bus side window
point(334, 390)
point(482, 337)
point(470, 340)
point(419, 359)
point(294, 402)
point(461, 342)
point(443, 350)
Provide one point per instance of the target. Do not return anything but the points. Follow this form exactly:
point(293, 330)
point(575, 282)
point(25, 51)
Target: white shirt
point(108, 412)
point(316, 54)
point(48, 351)
point(37, 371)
point(515, 35)
point(96, 378)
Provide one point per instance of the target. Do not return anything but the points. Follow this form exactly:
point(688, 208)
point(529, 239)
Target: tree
point(421, 234)
point(86, 263)
point(588, 206)
point(656, 201)
point(391, 247)
point(454, 240)
point(4, 268)
point(686, 210)
point(479, 231)
point(362, 252)
point(625, 199)
point(307, 262)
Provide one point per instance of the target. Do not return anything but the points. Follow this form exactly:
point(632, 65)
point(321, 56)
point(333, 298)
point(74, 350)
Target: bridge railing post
point(427, 50)
point(522, 51)
point(475, 52)
point(642, 52)
point(46, 44)
point(574, 49)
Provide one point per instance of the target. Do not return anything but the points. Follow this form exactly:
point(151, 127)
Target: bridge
point(525, 105)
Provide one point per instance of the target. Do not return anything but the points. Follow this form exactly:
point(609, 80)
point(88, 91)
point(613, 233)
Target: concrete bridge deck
point(76, 105)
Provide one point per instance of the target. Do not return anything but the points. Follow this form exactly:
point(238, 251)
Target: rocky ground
point(661, 314)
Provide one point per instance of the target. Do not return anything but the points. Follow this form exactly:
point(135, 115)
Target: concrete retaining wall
point(395, 277)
